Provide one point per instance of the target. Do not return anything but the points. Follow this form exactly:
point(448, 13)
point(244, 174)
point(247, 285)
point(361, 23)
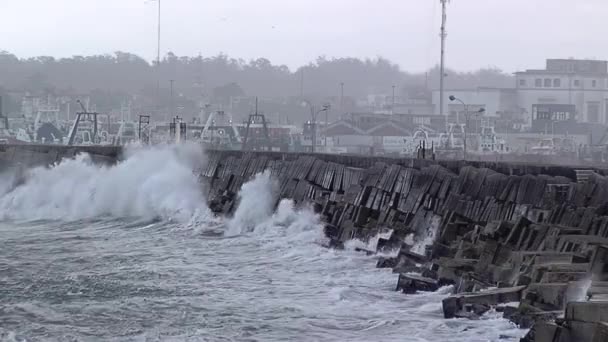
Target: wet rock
point(366, 251)
point(386, 262)
point(453, 304)
point(466, 314)
point(411, 283)
point(428, 273)
point(331, 231)
point(507, 311)
point(479, 309)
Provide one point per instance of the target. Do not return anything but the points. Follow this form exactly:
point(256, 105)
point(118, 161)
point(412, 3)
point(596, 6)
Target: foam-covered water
point(148, 272)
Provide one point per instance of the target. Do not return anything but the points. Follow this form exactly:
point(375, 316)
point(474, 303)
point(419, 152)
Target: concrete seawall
point(40, 155)
point(37, 155)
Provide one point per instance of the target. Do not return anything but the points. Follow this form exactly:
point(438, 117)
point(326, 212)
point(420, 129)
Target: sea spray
point(426, 235)
point(10, 179)
point(256, 201)
point(152, 182)
point(256, 214)
point(577, 291)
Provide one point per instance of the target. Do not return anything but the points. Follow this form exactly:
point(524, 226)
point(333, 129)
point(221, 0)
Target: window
point(418, 120)
point(593, 83)
point(577, 83)
point(593, 112)
point(547, 83)
point(538, 82)
point(522, 83)
point(557, 82)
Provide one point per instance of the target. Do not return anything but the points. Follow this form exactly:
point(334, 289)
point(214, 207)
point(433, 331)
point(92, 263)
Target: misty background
point(279, 51)
point(112, 79)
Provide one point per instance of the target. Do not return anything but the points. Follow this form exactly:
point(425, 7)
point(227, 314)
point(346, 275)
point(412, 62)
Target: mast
point(442, 63)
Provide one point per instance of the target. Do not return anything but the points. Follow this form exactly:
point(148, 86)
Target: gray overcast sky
point(509, 34)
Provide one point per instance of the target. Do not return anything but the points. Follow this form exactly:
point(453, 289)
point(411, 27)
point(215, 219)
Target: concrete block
point(580, 331)
point(411, 283)
point(601, 332)
point(456, 303)
point(547, 332)
point(548, 296)
point(591, 312)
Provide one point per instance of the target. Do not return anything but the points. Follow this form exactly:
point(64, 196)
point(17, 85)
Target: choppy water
point(147, 275)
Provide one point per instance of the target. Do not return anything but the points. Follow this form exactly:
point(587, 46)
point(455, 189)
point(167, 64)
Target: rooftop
point(571, 66)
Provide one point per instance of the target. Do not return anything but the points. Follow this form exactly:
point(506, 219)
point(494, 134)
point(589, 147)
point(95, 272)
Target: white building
point(565, 85)
point(567, 89)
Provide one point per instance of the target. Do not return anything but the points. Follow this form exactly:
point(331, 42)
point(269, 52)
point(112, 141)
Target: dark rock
point(409, 283)
point(529, 337)
point(479, 309)
point(337, 244)
point(415, 257)
point(456, 303)
point(507, 311)
point(466, 314)
point(366, 251)
point(386, 262)
point(331, 231)
point(445, 282)
point(408, 269)
point(428, 273)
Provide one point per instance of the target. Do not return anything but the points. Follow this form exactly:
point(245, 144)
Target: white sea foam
point(256, 200)
point(426, 236)
point(150, 182)
point(264, 284)
point(256, 214)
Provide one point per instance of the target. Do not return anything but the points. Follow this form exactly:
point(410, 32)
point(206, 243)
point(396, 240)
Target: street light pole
point(314, 129)
point(314, 113)
point(442, 62)
point(326, 124)
point(466, 129)
point(158, 59)
point(466, 125)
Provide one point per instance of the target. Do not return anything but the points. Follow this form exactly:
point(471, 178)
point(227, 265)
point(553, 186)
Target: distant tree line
point(111, 79)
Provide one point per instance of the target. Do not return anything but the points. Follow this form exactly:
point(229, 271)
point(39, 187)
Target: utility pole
point(313, 124)
point(466, 129)
point(171, 103)
point(158, 59)
point(342, 100)
point(326, 124)
point(302, 82)
point(342, 97)
point(393, 105)
point(442, 63)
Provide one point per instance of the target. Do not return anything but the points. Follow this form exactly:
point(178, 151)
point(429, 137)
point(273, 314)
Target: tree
point(226, 92)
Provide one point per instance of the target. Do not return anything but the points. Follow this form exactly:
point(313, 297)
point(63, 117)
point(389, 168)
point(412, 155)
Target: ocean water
point(131, 253)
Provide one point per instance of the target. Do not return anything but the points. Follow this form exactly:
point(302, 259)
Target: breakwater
point(36, 155)
point(498, 233)
point(532, 235)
